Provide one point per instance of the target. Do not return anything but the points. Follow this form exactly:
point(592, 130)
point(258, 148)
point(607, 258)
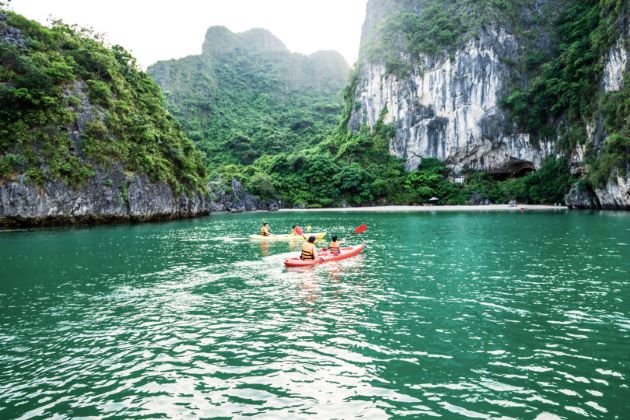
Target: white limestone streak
point(439, 112)
point(615, 67)
point(616, 193)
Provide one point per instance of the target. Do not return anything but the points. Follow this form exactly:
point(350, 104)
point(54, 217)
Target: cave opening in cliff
point(514, 169)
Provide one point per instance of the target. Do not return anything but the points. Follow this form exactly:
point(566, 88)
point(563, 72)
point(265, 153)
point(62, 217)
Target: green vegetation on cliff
point(563, 45)
point(408, 29)
point(567, 88)
point(562, 48)
point(356, 169)
point(246, 96)
point(69, 104)
point(568, 83)
point(257, 113)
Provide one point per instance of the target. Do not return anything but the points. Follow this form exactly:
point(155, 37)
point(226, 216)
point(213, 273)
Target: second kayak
point(324, 257)
point(287, 237)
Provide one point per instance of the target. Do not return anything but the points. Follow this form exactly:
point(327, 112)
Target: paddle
point(360, 229)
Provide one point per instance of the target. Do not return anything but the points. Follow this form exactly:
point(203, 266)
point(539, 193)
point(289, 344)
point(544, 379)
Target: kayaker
point(296, 230)
point(309, 252)
point(264, 230)
point(333, 246)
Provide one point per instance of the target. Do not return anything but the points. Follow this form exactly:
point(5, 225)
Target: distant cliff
point(84, 134)
point(499, 87)
point(247, 96)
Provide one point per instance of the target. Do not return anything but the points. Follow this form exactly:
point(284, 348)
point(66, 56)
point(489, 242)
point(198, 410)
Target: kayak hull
point(287, 237)
point(324, 257)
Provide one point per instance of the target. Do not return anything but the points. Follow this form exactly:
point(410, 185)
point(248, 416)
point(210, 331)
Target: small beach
point(489, 207)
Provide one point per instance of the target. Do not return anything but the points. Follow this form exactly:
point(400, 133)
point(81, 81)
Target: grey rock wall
point(581, 197)
point(448, 108)
point(615, 195)
point(9, 34)
point(111, 195)
point(232, 197)
point(616, 65)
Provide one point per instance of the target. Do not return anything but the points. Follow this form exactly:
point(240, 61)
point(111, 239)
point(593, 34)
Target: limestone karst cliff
point(84, 134)
point(247, 95)
point(441, 74)
point(449, 109)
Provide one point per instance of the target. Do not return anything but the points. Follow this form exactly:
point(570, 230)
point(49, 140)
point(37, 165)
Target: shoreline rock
point(110, 196)
point(232, 197)
point(615, 195)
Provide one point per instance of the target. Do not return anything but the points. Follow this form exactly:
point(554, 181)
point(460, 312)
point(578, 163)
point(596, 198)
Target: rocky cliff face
point(615, 195)
point(616, 65)
point(447, 106)
point(109, 196)
point(231, 196)
point(449, 109)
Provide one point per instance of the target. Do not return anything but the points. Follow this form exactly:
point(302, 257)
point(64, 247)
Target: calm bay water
point(459, 315)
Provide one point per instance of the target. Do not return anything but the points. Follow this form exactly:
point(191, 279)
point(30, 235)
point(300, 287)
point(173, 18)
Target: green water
point(457, 315)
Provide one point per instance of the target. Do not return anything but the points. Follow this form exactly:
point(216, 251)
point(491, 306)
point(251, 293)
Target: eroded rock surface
point(110, 195)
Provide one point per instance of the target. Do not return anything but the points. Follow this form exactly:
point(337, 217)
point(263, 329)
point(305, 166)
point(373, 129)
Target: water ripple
point(192, 319)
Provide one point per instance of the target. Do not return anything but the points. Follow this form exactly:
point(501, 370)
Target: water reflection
point(309, 284)
point(264, 248)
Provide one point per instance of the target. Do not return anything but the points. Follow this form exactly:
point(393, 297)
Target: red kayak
point(324, 257)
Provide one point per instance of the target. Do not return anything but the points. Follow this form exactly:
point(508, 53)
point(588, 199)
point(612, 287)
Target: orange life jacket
point(334, 248)
point(308, 251)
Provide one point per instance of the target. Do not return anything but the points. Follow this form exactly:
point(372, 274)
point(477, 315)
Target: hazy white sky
point(157, 29)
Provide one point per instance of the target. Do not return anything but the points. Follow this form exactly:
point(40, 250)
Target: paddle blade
point(361, 229)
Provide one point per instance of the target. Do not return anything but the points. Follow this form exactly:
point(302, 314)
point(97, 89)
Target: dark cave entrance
point(514, 168)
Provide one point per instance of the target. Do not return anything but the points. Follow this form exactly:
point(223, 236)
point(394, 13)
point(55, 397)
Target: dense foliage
point(355, 169)
point(410, 29)
point(567, 87)
point(69, 104)
point(567, 83)
point(239, 102)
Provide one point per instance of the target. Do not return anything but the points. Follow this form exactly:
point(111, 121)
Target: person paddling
point(333, 246)
point(297, 231)
point(309, 252)
point(264, 230)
